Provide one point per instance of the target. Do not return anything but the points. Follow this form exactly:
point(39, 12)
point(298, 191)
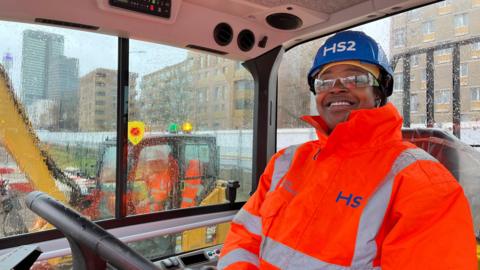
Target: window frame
point(121, 219)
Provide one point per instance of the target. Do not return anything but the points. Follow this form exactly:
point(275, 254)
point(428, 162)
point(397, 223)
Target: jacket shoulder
point(423, 172)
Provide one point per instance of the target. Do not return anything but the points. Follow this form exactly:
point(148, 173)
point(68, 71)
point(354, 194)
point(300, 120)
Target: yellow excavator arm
point(20, 141)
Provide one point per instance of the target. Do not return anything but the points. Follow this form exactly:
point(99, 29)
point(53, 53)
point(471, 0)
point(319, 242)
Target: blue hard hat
point(353, 45)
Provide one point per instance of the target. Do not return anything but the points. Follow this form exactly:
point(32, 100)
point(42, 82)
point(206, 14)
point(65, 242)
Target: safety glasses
point(349, 82)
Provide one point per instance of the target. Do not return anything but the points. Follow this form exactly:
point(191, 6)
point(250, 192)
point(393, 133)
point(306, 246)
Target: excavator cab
point(164, 172)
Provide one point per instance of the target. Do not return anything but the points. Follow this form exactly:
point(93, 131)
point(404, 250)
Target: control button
point(217, 251)
point(167, 263)
point(174, 261)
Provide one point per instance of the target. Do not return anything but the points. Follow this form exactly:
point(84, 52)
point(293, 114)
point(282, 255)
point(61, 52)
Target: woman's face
point(335, 103)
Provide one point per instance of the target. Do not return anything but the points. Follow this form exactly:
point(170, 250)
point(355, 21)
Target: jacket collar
point(365, 128)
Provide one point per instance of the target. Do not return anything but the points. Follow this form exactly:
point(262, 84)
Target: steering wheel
point(92, 247)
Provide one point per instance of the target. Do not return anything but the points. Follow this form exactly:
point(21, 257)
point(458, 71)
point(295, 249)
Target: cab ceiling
point(193, 21)
point(240, 8)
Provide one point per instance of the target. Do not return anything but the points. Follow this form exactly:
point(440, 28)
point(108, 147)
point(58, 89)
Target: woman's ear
point(380, 99)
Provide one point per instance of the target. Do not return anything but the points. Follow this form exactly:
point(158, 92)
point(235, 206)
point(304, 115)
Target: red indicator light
point(152, 8)
point(135, 131)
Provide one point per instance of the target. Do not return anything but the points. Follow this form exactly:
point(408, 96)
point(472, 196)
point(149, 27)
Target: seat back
point(462, 160)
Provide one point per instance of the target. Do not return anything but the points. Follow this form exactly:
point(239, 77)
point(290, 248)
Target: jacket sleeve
point(431, 224)
point(242, 245)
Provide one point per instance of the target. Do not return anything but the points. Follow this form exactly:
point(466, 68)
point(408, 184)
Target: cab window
point(191, 99)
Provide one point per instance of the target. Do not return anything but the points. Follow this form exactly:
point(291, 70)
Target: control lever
point(231, 191)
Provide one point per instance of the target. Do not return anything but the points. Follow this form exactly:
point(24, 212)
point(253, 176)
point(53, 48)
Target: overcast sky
point(92, 50)
point(95, 51)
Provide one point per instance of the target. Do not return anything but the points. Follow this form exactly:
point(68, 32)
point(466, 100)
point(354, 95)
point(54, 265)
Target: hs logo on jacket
point(350, 200)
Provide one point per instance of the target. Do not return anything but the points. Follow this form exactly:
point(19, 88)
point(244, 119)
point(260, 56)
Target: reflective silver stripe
point(282, 164)
point(284, 257)
point(188, 200)
point(238, 255)
point(374, 212)
point(252, 223)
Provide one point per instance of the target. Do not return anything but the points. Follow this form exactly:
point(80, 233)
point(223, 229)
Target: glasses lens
point(362, 80)
point(322, 85)
point(350, 82)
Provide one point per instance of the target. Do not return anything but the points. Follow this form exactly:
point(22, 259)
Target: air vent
point(223, 34)
point(246, 40)
point(67, 24)
point(284, 21)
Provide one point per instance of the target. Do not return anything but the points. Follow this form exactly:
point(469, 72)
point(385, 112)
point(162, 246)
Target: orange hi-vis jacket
point(357, 199)
point(193, 184)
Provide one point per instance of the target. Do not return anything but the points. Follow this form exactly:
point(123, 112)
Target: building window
point(398, 82)
point(445, 7)
point(461, 24)
point(100, 122)
point(243, 104)
point(414, 60)
point(463, 74)
point(444, 3)
point(101, 75)
point(399, 37)
point(212, 60)
point(100, 84)
point(464, 70)
point(476, 50)
point(244, 85)
point(413, 15)
point(100, 102)
point(100, 94)
point(100, 112)
point(201, 95)
point(461, 20)
point(218, 92)
point(443, 55)
point(428, 28)
point(412, 77)
point(475, 94)
point(442, 97)
point(414, 104)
